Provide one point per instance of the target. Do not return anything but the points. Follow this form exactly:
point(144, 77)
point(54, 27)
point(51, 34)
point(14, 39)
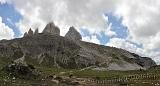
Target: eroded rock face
point(51, 29)
point(36, 31)
point(144, 61)
point(73, 34)
point(30, 32)
point(147, 62)
point(25, 34)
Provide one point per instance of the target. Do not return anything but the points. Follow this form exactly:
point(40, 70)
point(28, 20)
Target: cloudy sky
point(133, 25)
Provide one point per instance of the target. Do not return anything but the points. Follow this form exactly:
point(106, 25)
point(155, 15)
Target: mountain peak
point(25, 34)
point(30, 32)
point(36, 31)
point(51, 29)
point(73, 34)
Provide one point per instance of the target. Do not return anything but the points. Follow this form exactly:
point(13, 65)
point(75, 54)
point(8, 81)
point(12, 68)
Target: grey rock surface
point(25, 34)
point(144, 61)
point(36, 31)
point(30, 32)
point(51, 29)
point(73, 34)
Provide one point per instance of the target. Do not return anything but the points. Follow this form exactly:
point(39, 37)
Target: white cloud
point(76, 13)
point(142, 17)
point(122, 43)
point(2, 1)
point(5, 1)
point(10, 21)
point(92, 39)
point(109, 32)
point(5, 31)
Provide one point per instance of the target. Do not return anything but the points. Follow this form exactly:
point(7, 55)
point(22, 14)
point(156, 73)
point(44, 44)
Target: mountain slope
point(54, 50)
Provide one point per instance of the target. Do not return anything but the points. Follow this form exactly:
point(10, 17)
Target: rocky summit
point(73, 34)
point(29, 33)
point(36, 31)
point(50, 49)
point(51, 29)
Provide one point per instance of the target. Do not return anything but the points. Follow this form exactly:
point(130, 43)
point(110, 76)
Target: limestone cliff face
point(54, 50)
point(30, 32)
point(36, 31)
point(51, 29)
point(73, 34)
point(25, 34)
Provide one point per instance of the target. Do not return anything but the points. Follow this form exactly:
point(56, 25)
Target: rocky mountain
point(51, 29)
point(29, 33)
point(50, 49)
point(36, 31)
point(73, 34)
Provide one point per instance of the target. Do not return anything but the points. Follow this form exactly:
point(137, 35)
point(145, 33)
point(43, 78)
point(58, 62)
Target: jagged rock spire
point(30, 32)
point(36, 31)
point(25, 34)
point(51, 29)
point(73, 34)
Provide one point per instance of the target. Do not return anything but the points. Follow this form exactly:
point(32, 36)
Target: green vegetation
point(3, 61)
point(110, 74)
point(46, 71)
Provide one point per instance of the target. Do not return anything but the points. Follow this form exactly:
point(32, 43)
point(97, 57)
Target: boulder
point(51, 29)
point(73, 34)
point(21, 61)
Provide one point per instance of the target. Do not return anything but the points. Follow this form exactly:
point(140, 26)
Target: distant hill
point(50, 49)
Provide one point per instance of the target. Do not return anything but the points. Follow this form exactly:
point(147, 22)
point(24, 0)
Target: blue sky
point(117, 27)
point(121, 30)
point(10, 16)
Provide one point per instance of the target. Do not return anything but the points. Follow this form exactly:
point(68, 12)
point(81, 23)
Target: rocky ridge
point(51, 29)
point(36, 31)
point(73, 34)
point(29, 33)
point(50, 49)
